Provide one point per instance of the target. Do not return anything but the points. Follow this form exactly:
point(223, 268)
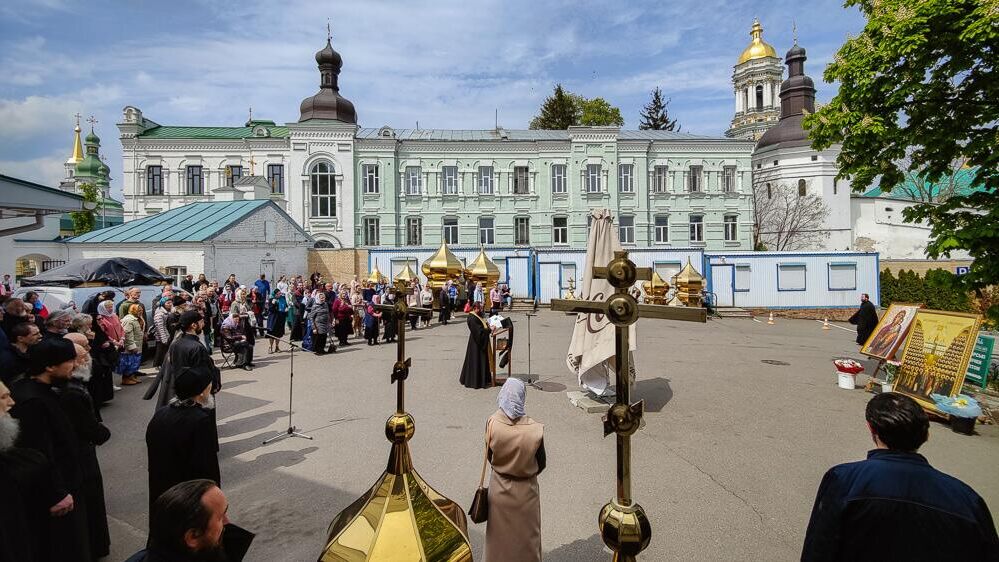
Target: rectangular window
point(521, 177)
point(626, 178)
point(414, 180)
point(660, 179)
point(558, 178)
point(323, 191)
point(369, 178)
point(843, 276)
point(154, 180)
point(177, 272)
point(195, 180)
point(449, 180)
point(694, 181)
point(593, 178)
point(521, 231)
point(731, 228)
point(662, 229)
point(232, 175)
point(742, 275)
point(275, 177)
point(791, 277)
point(414, 231)
point(486, 180)
point(728, 179)
point(450, 230)
point(560, 230)
point(487, 230)
point(626, 229)
point(696, 228)
point(371, 231)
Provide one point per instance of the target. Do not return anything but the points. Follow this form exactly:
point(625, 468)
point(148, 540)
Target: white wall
point(878, 226)
point(38, 244)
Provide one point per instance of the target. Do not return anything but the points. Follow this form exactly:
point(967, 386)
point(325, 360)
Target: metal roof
point(171, 132)
point(195, 222)
point(518, 135)
point(965, 182)
point(22, 197)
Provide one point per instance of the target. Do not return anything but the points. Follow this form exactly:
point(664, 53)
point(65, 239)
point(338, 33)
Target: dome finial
point(794, 31)
point(93, 121)
point(329, 31)
point(77, 155)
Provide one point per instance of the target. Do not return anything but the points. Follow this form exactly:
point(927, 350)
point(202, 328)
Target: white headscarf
point(511, 398)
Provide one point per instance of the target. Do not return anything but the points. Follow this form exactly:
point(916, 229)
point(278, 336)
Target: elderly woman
point(343, 316)
point(134, 327)
point(319, 315)
point(516, 450)
point(109, 337)
point(276, 313)
point(57, 324)
point(160, 330)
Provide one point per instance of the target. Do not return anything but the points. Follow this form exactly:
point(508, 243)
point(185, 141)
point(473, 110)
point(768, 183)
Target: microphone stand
point(291, 431)
point(530, 382)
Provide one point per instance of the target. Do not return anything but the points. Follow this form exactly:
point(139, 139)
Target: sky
point(444, 63)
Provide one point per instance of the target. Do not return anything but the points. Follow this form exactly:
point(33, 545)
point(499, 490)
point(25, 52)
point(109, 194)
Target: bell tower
point(756, 79)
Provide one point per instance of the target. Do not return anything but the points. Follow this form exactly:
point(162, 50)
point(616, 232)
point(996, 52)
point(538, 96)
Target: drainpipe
point(39, 223)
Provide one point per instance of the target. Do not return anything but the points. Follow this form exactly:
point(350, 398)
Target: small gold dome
point(758, 48)
point(655, 289)
point(441, 266)
point(376, 275)
point(483, 269)
point(406, 275)
point(689, 284)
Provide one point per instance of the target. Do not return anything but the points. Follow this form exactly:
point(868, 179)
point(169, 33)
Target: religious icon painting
point(891, 330)
point(936, 354)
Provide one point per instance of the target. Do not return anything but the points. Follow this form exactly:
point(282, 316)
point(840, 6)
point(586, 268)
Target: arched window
point(323, 245)
point(759, 97)
point(802, 191)
point(323, 190)
point(770, 192)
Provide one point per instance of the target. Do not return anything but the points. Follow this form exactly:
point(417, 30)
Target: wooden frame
point(496, 352)
point(878, 344)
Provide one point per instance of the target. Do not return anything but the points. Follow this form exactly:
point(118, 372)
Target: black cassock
point(866, 320)
point(185, 351)
point(28, 494)
point(181, 446)
point(90, 433)
point(46, 428)
point(476, 372)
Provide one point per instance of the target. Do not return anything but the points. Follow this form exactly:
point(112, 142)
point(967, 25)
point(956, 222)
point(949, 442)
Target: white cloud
point(47, 170)
point(36, 116)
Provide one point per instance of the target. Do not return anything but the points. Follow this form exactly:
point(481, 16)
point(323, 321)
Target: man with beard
point(57, 324)
point(477, 369)
point(46, 428)
point(180, 439)
point(90, 433)
point(866, 319)
point(15, 362)
point(187, 350)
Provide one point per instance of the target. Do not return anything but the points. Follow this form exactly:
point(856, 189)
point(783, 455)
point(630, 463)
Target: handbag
point(479, 510)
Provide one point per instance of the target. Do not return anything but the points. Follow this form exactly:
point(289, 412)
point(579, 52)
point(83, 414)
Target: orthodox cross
point(329, 31)
point(624, 526)
point(93, 121)
point(794, 31)
point(77, 115)
point(251, 164)
point(400, 371)
point(250, 118)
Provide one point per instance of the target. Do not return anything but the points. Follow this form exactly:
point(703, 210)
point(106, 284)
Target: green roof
point(195, 222)
point(964, 180)
point(171, 132)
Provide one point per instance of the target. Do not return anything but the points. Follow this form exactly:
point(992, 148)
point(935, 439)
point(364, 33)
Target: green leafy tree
point(84, 221)
point(655, 116)
point(558, 111)
point(917, 93)
point(597, 111)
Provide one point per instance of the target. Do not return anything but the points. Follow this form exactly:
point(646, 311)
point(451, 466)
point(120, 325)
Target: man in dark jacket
point(188, 350)
point(14, 361)
point(894, 505)
point(866, 319)
point(180, 439)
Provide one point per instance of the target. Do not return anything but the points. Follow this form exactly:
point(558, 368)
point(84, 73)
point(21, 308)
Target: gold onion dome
point(376, 275)
point(441, 266)
point(689, 284)
point(483, 269)
point(758, 48)
point(406, 274)
point(656, 289)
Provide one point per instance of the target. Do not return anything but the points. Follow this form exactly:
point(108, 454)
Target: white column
point(737, 102)
point(339, 201)
point(767, 91)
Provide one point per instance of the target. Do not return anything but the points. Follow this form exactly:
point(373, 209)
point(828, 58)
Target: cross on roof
point(77, 115)
point(93, 121)
point(329, 31)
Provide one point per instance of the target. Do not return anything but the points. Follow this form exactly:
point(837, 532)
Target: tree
point(655, 117)
point(84, 221)
point(558, 111)
point(785, 220)
point(918, 187)
point(920, 81)
point(596, 111)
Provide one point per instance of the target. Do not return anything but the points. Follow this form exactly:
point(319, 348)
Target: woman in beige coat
point(516, 451)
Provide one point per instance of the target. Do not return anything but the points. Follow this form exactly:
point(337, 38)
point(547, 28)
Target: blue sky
point(446, 64)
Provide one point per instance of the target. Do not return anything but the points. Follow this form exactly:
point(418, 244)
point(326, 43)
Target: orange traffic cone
point(825, 324)
point(771, 319)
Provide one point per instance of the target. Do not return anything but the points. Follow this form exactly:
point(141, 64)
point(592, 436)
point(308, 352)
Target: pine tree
point(656, 114)
point(558, 111)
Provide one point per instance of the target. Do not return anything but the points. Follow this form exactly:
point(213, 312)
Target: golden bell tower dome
point(758, 48)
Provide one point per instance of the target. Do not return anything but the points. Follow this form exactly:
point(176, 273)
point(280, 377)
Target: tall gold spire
point(77, 156)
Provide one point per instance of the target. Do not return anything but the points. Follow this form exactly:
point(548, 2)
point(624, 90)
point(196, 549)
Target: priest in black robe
point(866, 319)
point(187, 350)
point(477, 370)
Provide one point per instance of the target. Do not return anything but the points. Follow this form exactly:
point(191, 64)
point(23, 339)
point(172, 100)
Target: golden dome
point(441, 266)
point(758, 48)
point(688, 275)
point(689, 284)
point(77, 155)
point(376, 275)
point(483, 269)
point(655, 289)
point(406, 275)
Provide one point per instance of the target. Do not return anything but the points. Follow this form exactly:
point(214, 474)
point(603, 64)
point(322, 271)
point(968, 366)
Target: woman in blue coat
point(278, 313)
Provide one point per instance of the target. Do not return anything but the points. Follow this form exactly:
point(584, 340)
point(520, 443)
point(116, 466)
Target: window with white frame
point(323, 189)
point(414, 180)
point(449, 180)
point(593, 178)
point(694, 180)
point(195, 180)
point(558, 178)
point(660, 179)
point(521, 231)
point(728, 179)
point(486, 180)
point(450, 230)
point(626, 229)
point(842, 276)
point(560, 230)
point(662, 229)
point(697, 228)
point(154, 180)
point(731, 228)
point(791, 277)
point(626, 178)
point(232, 175)
point(369, 176)
point(414, 231)
point(487, 230)
point(743, 273)
point(521, 180)
point(178, 272)
point(371, 231)
point(275, 177)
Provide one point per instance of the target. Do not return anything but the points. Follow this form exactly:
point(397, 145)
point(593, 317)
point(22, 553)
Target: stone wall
point(341, 264)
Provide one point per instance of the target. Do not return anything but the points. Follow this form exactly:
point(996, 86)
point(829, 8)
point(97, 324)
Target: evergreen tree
point(655, 117)
point(559, 111)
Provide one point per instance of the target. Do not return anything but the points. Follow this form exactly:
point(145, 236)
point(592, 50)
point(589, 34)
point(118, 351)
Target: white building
point(756, 79)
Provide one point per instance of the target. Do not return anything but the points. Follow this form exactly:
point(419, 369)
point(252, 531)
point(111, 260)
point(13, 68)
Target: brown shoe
point(129, 381)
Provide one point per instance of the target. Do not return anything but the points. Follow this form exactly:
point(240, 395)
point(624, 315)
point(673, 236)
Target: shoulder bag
point(479, 511)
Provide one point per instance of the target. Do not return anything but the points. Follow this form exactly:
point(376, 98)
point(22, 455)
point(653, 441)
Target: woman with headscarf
point(371, 318)
point(515, 447)
point(343, 316)
point(427, 301)
point(131, 356)
point(108, 339)
point(390, 320)
point(276, 313)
